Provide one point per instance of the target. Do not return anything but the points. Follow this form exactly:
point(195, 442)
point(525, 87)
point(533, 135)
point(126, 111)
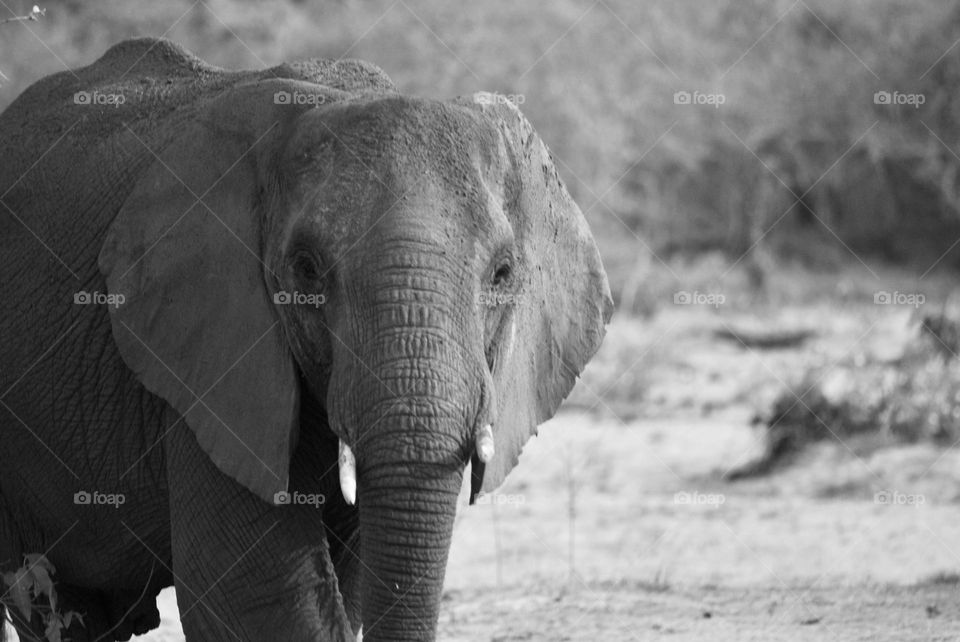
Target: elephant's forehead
point(402, 149)
point(401, 135)
point(434, 203)
point(402, 170)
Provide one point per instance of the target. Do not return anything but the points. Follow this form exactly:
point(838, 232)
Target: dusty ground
point(612, 612)
point(590, 540)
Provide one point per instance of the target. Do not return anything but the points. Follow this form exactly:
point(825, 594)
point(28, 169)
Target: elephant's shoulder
point(132, 68)
point(159, 57)
point(351, 76)
point(146, 57)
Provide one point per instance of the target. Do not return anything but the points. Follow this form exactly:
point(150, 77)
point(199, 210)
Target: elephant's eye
point(306, 266)
point(502, 274)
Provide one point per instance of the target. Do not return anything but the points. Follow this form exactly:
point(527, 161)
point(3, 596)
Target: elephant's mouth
point(337, 462)
point(315, 434)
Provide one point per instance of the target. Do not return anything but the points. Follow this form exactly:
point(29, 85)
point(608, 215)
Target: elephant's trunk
point(405, 538)
point(415, 391)
point(410, 468)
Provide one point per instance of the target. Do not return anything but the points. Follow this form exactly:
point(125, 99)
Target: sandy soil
point(605, 612)
point(620, 528)
point(778, 559)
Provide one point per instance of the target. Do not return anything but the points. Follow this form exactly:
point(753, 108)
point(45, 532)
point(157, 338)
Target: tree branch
point(35, 14)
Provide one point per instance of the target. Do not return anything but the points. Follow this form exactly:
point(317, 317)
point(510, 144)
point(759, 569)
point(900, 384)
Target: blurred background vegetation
point(797, 165)
point(798, 187)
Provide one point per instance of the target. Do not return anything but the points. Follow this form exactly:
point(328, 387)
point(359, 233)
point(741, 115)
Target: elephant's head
point(418, 265)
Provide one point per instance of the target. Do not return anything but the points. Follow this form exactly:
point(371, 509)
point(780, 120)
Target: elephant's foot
point(276, 617)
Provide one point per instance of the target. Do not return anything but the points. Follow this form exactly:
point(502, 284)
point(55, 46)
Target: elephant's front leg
point(246, 570)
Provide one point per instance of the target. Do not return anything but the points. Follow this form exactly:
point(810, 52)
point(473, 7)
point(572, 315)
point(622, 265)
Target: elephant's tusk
point(485, 443)
point(348, 474)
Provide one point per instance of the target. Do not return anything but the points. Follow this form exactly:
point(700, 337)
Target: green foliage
point(31, 592)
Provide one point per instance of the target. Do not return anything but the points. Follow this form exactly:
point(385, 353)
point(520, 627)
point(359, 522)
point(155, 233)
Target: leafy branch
point(27, 589)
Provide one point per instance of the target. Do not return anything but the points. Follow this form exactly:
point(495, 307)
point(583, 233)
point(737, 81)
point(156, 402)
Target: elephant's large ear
point(197, 325)
point(558, 323)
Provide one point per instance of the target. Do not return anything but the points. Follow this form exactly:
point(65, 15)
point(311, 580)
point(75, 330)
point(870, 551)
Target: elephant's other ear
point(559, 322)
point(197, 325)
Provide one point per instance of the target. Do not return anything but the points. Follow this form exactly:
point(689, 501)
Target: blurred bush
point(799, 161)
point(913, 398)
point(801, 141)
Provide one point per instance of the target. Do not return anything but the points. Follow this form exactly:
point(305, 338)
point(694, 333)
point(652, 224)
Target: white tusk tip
point(349, 490)
point(348, 474)
point(485, 447)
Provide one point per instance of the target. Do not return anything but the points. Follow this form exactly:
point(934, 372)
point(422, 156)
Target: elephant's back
point(76, 142)
point(71, 113)
point(149, 73)
point(76, 136)
point(91, 128)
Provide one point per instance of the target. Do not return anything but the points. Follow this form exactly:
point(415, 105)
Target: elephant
point(261, 328)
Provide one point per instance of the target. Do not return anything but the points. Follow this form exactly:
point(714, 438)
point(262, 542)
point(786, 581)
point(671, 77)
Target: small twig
point(35, 14)
point(497, 546)
point(136, 603)
point(572, 516)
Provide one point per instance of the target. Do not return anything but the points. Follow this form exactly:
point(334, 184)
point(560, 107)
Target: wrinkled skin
point(441, 280)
